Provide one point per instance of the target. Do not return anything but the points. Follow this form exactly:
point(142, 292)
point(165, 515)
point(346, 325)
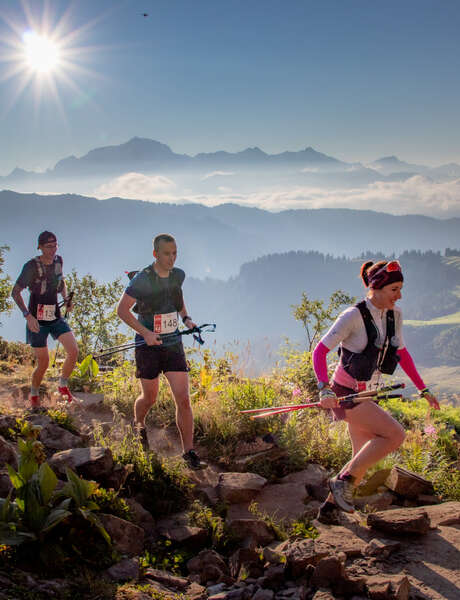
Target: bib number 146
point(165, 323)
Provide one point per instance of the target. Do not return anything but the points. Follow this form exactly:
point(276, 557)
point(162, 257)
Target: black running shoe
point(193, 461)
point(141, 433)
point(328, 514)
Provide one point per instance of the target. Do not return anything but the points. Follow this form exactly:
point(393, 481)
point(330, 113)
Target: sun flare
point(41, 53)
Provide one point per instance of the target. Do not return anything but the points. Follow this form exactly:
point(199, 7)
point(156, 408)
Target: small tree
point(316, 317)
point(94, 319)
point(5, 286)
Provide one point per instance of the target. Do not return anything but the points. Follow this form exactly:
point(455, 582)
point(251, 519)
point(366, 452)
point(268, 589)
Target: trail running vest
point(361, 365)
point(45, 287)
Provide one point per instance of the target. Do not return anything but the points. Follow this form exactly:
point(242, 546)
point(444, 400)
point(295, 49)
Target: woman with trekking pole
point(369, 336)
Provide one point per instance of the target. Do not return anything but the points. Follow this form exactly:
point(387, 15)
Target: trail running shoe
point(342, 489)
point(328, 514)
point(34, 401)
point(193, 460)
point(66, 393)
point(141, 433)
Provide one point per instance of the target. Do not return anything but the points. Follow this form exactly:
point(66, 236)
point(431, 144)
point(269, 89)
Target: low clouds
point(135, 186)
point(218, 174)
point(416, 195)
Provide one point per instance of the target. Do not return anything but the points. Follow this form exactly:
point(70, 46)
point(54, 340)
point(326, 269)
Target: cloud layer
point(416, 195)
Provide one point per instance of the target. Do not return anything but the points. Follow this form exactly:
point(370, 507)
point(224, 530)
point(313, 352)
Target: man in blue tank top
point(155, 293)
point(43, 277)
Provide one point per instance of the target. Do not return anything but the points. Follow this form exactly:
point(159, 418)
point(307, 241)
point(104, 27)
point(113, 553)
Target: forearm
point(16, 294)
point(408, 366)
point(320, 362)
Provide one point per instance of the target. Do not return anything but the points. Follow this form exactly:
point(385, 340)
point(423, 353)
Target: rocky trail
point(405, 546)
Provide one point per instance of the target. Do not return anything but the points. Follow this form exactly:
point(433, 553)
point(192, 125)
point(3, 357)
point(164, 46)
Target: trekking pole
point(364, 394)
point(67, 303)
point(342, 404)
point(195, 331)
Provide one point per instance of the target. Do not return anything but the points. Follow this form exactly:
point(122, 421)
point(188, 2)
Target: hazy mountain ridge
point(146, 156)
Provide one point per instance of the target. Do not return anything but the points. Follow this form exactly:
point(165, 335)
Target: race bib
point(166, 323)
point(46, 312)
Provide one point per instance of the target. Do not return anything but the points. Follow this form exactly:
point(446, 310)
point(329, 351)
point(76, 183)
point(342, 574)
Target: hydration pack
point(361, 365)
point(41, 283)
point(159, 296)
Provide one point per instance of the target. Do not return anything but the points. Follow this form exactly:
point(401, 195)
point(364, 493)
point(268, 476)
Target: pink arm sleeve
point(320, 363)
point(408, 366)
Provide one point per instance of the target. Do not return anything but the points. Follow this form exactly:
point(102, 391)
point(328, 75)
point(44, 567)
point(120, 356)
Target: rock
point(118, 476)
point(251, 527)
point(445, 514)
point(381, 547)
point(5, 484)
point(376, 480)
point(208, 565)
point(195, 592)
point(337, 539)
point(313, 475)
point(125, 570)
point(376, 501)
point(126, 537)
point(215, 589)
point(319, 492)
point(400, 521)
point(56, 438)
point(167, 579)
point(6, 422)
point(428, 499)
point(301, 553)
point(388, 587)
point(408, 484)
point(90, 401)
point(185, 534)
point(8, 455)
point(95, 462)
point(283, 501)
point(141, 516)
point(254, 447)
point(328, 571)
point(245, 561)
point(323, 595)
point(239, 487)
point(271, 556)
point(273, 576)
point(263, 594)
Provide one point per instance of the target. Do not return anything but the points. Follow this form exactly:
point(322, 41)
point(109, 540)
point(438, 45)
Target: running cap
point(46, 237)
point(389, 273)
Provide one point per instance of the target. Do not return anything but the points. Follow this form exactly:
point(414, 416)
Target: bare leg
point(69, 343)
point(178, 381)
point(384, 435)
point(42, 357)
point(358, 438)
point(146, 400)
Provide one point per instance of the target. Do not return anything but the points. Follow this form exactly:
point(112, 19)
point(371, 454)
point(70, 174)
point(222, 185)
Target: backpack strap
point(368, 322)
point(41, 274)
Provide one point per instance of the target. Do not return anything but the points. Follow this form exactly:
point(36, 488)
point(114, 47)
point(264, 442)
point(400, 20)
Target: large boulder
point(56, 438)
point(400, 521)
point(235, 488)
point(251, 528)
point(8, 455)
point(95, 462)
point(207, 566)
point(408, 484)
point(300, 554)
point(141, 516)
point(126, 537)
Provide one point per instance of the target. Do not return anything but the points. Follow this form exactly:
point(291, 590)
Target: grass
point(452, 319)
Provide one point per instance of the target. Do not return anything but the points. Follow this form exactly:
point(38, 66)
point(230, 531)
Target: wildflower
point(296, 391)
point(430, 430)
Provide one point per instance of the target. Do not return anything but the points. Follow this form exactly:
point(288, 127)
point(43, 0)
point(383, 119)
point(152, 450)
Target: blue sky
point(354, 79)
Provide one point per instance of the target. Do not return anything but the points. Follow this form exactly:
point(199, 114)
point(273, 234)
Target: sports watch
point(322, 384)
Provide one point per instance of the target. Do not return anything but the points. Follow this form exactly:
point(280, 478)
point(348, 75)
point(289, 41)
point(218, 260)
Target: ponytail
point(363, 272)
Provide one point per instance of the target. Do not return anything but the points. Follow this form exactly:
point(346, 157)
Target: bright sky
point(355, 79)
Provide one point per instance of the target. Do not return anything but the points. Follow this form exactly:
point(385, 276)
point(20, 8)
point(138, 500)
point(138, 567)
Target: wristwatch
point(322, 384)
point(26, 313)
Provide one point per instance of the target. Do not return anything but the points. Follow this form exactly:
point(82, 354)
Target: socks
point(347, 476)
point(63, 382)
point(34, 391)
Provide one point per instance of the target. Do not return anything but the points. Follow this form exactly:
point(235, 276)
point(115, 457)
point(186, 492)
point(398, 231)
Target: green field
point(452, 319)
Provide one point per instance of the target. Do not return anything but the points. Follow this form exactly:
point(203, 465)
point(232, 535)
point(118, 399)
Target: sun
point(42, 54)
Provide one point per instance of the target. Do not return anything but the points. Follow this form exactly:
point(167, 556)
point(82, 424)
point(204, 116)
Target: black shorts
point(153, 360)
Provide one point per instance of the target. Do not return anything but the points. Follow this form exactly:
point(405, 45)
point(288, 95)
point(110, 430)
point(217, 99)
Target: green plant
point(63, 419)
point(110, 502)
point(85, 373)
point(203, 516)
point(165, 555)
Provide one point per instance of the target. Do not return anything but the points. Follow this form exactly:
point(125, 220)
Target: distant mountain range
point(148, 156)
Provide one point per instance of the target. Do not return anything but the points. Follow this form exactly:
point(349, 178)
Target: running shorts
point(153, 360)
point(54, 328)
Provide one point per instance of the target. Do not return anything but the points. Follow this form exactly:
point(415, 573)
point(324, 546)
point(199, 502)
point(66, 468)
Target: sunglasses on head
point(390, 267)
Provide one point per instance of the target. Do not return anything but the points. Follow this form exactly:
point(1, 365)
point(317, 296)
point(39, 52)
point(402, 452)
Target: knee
point(398, 436)
point(43, 363)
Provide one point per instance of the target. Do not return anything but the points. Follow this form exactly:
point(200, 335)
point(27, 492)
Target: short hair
point(162, 237)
